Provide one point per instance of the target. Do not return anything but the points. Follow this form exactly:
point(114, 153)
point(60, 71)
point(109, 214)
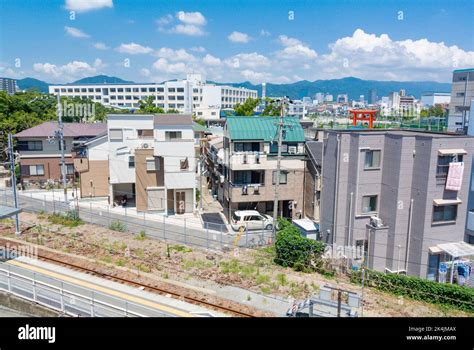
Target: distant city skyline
point(62, 41)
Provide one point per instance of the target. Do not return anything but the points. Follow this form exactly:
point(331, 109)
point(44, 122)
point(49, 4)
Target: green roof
point(464, 70)
point(264, 128)
point(199, 128)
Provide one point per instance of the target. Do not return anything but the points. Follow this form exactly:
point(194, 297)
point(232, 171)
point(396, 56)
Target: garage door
point(156, 198)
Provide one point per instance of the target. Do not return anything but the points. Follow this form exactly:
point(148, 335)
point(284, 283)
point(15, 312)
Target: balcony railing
point(242, 158)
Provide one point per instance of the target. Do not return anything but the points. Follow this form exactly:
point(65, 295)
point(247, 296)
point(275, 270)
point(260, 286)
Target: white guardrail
point(68, 298)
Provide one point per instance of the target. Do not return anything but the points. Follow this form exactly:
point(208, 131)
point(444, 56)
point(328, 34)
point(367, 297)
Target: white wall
point(118, 158)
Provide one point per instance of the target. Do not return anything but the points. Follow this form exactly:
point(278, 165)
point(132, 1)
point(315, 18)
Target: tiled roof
point(173, 119)
point(70, 130)
point(264, 128)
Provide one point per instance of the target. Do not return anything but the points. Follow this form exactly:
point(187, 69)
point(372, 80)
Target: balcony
point(247, 160)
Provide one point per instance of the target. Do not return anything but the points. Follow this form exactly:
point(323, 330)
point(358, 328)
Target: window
point(444, 213)
point(184, 164)
point(131, 161)
point(36, 170)
point(30, 145)
point(443, 164)
point(145, 132)
point(173, 135)
point(171, 90)
point(152, 164)
point(283, 177)
point(180, 89)
point(269, 206)
point(246, 147)
point(372, 160)
point(369, 204)
point(69, 169)
point(116, 134)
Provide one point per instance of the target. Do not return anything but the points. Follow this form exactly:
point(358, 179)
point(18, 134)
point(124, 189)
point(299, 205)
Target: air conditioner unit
point(244, 190)
point(376, 221)
point(145, 145)
point(292, 150)
point(244, 161)
point(222, 178)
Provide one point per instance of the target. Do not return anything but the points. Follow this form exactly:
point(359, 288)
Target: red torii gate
point(364, 115)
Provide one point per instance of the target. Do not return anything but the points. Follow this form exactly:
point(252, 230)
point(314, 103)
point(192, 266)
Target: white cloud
point(164, 20)
point(248, 60)
point(195, 18)
point(192, 24)
point(295, 49)
point(238, 37)
point(69, 71)
point(134, 49)
point(188, 29)
point(163, 65)
point(101, 46)
point(198, 49)
point(264, 32)
point(87, 5)
point(210, 60)
point(370, 56)
point(75, 33)
point(145, 72)
point(174, 55)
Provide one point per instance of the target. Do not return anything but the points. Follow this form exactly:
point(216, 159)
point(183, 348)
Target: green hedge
point(295, 251)
point(420, 289)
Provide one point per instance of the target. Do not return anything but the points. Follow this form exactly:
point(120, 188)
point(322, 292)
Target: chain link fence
point(188, 231)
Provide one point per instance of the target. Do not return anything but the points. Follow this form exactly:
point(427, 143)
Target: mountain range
point(353, 87)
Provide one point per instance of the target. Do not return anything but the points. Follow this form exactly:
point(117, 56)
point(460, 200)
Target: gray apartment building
point(8, 85)
point(462, 95)
point(250, 161)
point(386, 191)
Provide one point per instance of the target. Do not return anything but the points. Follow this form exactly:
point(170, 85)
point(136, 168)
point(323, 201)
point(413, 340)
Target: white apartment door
point(180, 202)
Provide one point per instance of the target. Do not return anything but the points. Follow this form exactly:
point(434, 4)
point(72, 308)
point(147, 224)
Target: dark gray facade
point(393, 176)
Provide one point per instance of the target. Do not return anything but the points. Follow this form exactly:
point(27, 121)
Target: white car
point(251, 220)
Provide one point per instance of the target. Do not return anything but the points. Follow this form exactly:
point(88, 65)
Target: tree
point(271, 108)
point(148, 106)
point(247, 108)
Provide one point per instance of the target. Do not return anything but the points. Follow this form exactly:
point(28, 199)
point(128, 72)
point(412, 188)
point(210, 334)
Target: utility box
point(325, 293)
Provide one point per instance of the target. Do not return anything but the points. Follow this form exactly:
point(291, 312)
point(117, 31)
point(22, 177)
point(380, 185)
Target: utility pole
point(13, 181)
point(62, 146)
point(201, 168)
point(277, 180)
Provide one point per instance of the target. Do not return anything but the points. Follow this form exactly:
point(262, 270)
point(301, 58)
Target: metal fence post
point(185, 240)
point(90, 210)
point(246, 235)
point(220, 228)
point(54, 206)
point(207, 236)
point(164, 228)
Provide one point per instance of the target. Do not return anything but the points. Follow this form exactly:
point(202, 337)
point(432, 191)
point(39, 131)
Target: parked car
point(251, 220)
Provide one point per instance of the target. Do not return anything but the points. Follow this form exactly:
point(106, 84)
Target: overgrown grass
point(118, 226)
point(180, 248)
point(69, 219)
point(141, 236)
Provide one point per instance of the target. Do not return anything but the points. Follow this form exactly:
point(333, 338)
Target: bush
point(294, 250)
point(419, 289)
point(118, 226)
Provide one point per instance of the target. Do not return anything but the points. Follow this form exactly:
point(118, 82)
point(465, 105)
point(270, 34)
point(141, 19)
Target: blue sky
point(233, 41)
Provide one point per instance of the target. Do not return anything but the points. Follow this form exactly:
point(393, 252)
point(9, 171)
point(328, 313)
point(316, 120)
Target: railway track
point(162, 291)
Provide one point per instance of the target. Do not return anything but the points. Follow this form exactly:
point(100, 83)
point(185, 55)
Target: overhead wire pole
point(62, 147)
point(13, 180)
point(277, 180)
